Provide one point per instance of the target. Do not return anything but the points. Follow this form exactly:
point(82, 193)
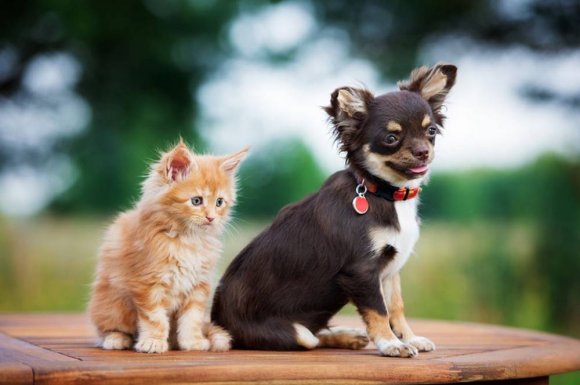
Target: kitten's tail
point(219, 338)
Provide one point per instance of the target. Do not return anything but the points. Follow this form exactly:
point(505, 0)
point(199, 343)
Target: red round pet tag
point(360, 204)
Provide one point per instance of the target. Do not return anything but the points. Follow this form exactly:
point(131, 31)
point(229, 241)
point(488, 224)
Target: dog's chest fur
point(403, 240)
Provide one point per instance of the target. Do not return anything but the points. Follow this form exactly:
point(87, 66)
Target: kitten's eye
point(196, 201)
point(219, 202)
point(432, 131)
point(391, 139)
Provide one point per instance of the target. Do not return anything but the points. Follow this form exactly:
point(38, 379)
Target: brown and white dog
point(280, 292)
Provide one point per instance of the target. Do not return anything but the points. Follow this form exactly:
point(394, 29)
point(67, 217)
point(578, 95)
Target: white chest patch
point(403, 241)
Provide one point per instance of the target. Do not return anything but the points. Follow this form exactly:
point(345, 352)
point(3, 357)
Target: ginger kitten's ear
point(230, 163)
point(433, 84)
point(177, 163)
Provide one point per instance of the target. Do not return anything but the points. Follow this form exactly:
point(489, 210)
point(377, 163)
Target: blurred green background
point(90, 90)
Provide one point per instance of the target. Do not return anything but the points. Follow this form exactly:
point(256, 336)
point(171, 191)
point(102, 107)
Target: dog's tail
point(268, 334)
point(220, 340)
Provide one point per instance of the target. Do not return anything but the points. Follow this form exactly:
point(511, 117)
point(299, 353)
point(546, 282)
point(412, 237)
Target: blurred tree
point(141, 61)
point(286, 172)
point(391, 33)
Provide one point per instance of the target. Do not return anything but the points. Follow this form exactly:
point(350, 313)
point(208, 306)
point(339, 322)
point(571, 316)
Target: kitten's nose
point(210, 219)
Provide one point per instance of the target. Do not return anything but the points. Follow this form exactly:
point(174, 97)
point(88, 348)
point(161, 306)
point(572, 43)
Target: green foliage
point(284, 173)
point(546, 195)
point(141, 62)
point(550, 184)
point(392, 33)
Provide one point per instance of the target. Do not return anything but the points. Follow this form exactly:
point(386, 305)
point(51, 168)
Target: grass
point(458, 272)
point(48, 264)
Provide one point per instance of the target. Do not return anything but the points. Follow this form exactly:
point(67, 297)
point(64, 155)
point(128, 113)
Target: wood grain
point(15, 373)
point(60, 349)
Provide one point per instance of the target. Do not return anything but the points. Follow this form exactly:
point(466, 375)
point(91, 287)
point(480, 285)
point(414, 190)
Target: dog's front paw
point(421, 343)
point(151, 345)
point(396, 348)
point(199, 343)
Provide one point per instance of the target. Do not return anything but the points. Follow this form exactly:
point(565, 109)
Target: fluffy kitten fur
point(157, 259)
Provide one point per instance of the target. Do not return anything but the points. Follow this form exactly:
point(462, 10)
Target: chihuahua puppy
point(348, 241)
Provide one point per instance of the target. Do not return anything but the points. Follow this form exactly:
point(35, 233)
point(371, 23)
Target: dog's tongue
point(419, 169)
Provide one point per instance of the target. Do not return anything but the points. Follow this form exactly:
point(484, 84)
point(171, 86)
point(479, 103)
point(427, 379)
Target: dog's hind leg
point(343, 338)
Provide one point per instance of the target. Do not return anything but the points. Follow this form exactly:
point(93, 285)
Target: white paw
point(151, 345)
point(421, 343)
point(202, 344)
point(221, 343)
point(117, 341)
point(396, 348)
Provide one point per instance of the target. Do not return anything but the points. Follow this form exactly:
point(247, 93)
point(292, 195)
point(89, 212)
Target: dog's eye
point(391, 139)
point(196, 201)
point(432, 131)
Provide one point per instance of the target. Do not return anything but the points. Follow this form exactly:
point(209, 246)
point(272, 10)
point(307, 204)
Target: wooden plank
point(13, 373)
point(303, 372)
point(521, 381)
point(15, 350)
point(61, 350)
point(520, 362)
point(38, 325)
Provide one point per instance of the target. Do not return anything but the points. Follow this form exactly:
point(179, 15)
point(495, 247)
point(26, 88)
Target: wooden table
point(59, 349)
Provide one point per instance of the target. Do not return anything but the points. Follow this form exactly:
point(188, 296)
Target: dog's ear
point(433, 84)
point(347, 111)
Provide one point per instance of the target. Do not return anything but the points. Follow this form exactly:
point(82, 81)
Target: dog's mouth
point(412, 172)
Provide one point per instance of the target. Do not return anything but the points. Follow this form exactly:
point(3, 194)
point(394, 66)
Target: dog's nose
point(421, 152)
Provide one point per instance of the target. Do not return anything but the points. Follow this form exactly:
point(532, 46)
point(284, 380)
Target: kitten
point(157, 259)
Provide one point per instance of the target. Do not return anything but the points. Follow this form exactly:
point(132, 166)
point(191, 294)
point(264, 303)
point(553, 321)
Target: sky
point(250, 101)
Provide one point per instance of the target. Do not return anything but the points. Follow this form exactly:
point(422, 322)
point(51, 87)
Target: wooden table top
point(59, 349)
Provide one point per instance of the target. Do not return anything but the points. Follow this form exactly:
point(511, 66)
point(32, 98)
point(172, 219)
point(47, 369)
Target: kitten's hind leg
point(113, 315)
point(220, 340)
point(343, 338)
point(116, 341)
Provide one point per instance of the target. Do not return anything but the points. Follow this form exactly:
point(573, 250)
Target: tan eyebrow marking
point(426, 121)
point(394, 126)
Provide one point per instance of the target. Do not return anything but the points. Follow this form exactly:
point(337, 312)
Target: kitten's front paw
point(396, 348)
point(151, 345)
point(116, 341)
point(421, 343)
point(202, 344)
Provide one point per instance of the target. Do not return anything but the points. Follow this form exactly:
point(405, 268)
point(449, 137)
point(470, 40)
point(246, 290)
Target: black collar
point(386, 190)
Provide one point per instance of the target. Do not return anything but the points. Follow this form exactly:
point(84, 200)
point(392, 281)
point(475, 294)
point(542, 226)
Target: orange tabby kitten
point(157, 260)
